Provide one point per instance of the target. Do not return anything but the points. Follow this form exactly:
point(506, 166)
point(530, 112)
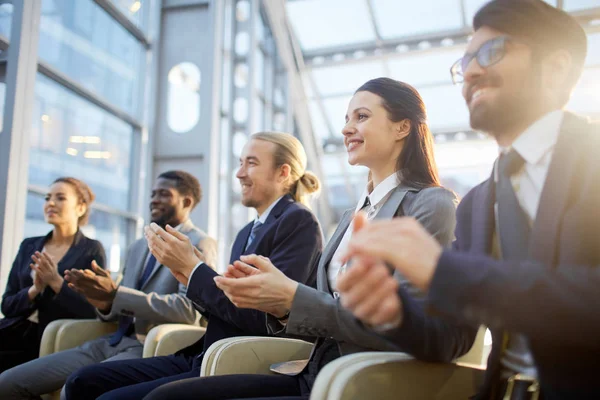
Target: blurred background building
point(116, 91)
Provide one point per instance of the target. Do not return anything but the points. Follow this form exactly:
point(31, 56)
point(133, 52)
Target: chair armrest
point(73, 333)
point(167, 339)
point(258, 353)
point(49, 336)
point(328, 373)
point(364, 374)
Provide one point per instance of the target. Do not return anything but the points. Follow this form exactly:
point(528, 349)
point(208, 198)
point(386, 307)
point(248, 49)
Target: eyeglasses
point(487, 55)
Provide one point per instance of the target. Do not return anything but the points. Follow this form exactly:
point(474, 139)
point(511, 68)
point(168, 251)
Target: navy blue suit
point(291, 237)
point(553, 298)
point(17, 308)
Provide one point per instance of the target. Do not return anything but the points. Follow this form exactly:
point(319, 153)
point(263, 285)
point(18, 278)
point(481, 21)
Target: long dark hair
point(415, 164)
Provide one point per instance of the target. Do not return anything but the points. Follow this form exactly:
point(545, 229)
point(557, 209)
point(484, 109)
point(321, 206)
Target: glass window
point(576, 5)
point(82, 41)
point(183, 110)
point(342, 79)
point(138, 11)
point(6, 11)
point(446, 108)
point(109, 229)
point(422, 69)
point(72, 137)
point(406, 17)
point(593, 56)
point(322, 24)
point(335, 110)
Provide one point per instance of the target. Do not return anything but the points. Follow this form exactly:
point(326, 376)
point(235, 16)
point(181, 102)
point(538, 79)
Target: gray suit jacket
point(162, 298)
point(318, 313)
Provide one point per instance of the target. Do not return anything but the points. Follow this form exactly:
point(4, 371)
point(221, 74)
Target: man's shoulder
point(296, 212)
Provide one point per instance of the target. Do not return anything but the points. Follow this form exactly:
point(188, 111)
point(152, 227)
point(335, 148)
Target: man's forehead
point(259, 149)
point(480, 36)
point(164, 183)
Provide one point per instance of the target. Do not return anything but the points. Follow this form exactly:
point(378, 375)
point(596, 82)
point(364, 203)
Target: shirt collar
point(380, 192)
point(263, 217)
point(539, 138)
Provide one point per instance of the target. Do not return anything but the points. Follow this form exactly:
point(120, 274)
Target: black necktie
point(126, 325)
point(513, 224)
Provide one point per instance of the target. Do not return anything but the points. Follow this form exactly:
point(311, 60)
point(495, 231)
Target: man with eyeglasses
point(526, 260)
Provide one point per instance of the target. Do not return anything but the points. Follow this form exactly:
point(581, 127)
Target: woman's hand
point(37, 287)
point(173, 250)
point(263, 288)
point(46, 271)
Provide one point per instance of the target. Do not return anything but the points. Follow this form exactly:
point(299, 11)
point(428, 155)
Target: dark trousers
point(128, 379)
point(229, 387)
point(19, 343)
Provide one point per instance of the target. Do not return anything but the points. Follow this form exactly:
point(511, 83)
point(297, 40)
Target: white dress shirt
point(261, 218)
point(377, 198)
point(536, 146)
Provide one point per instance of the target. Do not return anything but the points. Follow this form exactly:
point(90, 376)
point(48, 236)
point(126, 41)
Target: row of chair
point(374, 375)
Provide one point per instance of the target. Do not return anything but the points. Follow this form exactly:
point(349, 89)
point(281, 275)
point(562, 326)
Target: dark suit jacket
point(292, 239)
point(51, 306)
point(554, 297)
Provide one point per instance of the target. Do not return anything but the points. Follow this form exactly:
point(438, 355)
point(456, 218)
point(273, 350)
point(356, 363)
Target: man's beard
point(166, 217)
point(509, 110)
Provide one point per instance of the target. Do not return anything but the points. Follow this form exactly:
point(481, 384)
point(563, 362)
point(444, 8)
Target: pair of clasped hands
point(367, 289)
point(94, 283)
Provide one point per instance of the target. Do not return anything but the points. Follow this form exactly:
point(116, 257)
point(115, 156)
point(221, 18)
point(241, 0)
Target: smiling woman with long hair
point(386, 131)
point(36, 293)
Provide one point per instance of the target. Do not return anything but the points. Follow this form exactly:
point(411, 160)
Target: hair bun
point(310, 182)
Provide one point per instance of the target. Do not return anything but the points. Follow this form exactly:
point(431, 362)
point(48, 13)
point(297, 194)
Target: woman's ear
point(81, 209)
point(402, 129)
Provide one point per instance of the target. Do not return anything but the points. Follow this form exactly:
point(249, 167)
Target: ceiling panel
point(409, 18)
point(326, 23)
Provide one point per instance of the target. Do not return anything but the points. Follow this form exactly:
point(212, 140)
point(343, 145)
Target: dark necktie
point(255, 228)
point(126, 325)
point(513, 223)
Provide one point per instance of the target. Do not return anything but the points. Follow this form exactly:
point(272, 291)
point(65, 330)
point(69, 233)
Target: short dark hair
point(416, 164)
point(186, 184)
point(544, 27)
point(84, 195)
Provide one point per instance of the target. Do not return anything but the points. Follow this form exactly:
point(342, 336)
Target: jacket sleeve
point(71, 303)
point(526, 297)
point(420, 334)
point(15, 301)
point(158, 308)
point(297, 245)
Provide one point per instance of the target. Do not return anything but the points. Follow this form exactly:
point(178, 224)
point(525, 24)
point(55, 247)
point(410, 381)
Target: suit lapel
point(332, 245)
point(390, 207)
point(482, 219)
point(556, 190)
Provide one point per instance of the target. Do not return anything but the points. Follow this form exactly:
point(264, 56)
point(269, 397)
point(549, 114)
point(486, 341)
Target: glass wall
point(76, 129)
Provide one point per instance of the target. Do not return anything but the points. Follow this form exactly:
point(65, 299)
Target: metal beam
point(124, 21)
point(15, 132)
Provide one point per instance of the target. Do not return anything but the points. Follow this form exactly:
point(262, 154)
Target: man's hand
point(267, 289)
point(46, 271)
point(401, 242)
point(173, 250)
point(96, 285)
point(370, 292)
